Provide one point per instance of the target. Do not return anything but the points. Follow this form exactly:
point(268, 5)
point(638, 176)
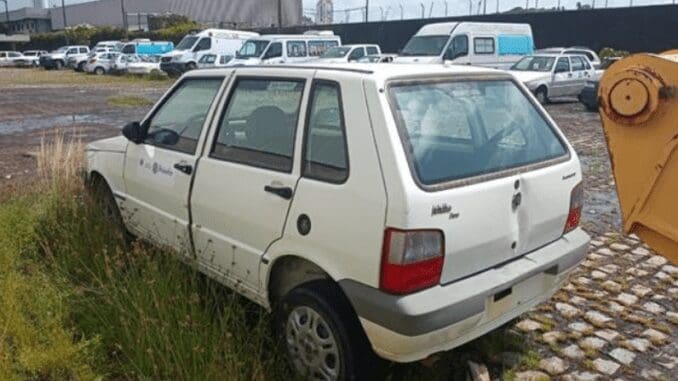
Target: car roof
point(380, 73)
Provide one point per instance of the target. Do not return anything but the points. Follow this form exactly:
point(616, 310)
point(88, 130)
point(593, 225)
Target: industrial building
point(215, 13)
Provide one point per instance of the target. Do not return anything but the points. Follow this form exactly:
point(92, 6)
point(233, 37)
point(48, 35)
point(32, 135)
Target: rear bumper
point(412, 327)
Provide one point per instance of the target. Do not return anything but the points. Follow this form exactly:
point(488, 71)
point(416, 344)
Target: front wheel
point(542, 95)
point(99, 71)
point(191, 66)
point(322, 335)
point(58, 65)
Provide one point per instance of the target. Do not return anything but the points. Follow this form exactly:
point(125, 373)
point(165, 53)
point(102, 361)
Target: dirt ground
point(75, 107)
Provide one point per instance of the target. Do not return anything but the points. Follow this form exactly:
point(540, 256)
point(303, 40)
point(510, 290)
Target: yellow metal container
point(638, 99)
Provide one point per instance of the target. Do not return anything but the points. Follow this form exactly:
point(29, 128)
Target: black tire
point(99, 71)
point(191, 66)
point(542, 95)
point(58, 65)
point(356, 360)
point(81, 67)
point(105, 200)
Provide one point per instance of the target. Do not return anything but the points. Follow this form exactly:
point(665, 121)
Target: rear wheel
point(81, 67)
point(58, 65)
point(99, 71)
point(542, 95)
point(322, 336)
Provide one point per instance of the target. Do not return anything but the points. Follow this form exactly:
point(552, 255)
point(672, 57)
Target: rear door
point(492, 174)
point(579, 75)
point(246, 181)
point(158, 172)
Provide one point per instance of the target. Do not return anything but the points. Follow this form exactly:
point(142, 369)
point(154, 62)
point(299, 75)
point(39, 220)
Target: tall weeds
point(125, 313)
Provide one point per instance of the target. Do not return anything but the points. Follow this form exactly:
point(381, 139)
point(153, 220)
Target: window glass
point(225, 59)
point(84, 50)
point(563, 65)
point(259, 125)
point(72, 51)
point(372, 50)
point(456, 130)
point(458, 47)
point(325, 155)
point(274, 51)
point(577, 64)
point(587, 64)
point(296, 49)
point(204, 44)
point(208, 59)
point(356, 54)
point(14, 54)
point(483, 45)
point(581, 52)
point(179, 121)
point(425, 45)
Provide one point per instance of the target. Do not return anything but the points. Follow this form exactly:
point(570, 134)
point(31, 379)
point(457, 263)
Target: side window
point(296, 49)
point(457, 48)
point(14, 54)
point(577, 63)
point(72, 51)
point(204, 44)
point(372, 50)
point(274, 50)
point(483, 45)
point(179, 121)
point(325, 157)
point(587, 64)
point(357, 54)
point(563, 65)
point(259, 125)
point(225, 59)
point(84, 50)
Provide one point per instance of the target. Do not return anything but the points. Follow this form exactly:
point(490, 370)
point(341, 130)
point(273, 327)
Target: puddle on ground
point(116, 119)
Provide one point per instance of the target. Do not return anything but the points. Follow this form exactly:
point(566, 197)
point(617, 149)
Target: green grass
point(129, 101)
point(67, 77)
point(77, 303)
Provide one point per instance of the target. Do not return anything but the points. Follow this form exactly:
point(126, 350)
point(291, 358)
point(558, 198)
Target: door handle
point(184, 168)
point(283, 192)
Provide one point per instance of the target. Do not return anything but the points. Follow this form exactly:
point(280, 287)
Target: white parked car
point(401, 210)
point(378, 58)
point(31, 58)
point(273, 49)
point(59, 58)
point(9, 58)
point(348, 53)
point(575, 50)
point(550, 76)
point(122, 61)
point(100, 63)
point(145, 65)
point(211, 61)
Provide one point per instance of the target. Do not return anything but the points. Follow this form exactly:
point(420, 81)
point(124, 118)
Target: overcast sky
point(412, 8)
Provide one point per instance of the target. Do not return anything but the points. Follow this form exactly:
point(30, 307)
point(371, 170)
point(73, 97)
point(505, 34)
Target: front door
point(562, 78)
point(246, 181)
point(158, 172)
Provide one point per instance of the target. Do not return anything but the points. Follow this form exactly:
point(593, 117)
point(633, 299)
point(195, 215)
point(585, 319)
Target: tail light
point(411, 260)
point(576, 206)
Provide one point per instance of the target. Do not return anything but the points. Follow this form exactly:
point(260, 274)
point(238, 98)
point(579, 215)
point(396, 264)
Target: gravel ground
point(615, 319)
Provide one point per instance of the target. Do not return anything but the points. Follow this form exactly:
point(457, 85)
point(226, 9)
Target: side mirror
point(133, 132)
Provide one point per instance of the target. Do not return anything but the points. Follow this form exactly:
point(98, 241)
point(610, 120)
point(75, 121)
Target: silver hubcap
point(312, 345)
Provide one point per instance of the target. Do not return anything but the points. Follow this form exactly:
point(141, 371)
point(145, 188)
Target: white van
point(193, 46)
point(495, 45)
point(401, 210)
point(291, 48)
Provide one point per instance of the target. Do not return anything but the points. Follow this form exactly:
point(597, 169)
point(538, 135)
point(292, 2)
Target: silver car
point(100, 63)
point(554, 75)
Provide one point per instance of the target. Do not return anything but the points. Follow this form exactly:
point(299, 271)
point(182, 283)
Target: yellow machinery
point(638, 99)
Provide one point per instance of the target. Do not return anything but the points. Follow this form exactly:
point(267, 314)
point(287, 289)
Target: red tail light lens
point(411, 260)
point(576, 206)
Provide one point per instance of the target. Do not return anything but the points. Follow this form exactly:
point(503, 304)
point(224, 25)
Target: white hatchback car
point(397, 209)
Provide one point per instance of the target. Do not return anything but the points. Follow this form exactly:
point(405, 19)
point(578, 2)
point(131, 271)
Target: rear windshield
point(461, 129)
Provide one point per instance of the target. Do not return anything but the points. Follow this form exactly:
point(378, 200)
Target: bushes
point(610, 52)
point(88, 35)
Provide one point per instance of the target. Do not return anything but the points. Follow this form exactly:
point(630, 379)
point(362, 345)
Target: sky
point(412, 8)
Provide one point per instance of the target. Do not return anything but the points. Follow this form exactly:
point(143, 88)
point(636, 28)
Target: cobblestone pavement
point(615, 319)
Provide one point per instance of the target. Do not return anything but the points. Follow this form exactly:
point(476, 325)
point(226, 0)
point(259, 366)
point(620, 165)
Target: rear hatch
point(492, 172)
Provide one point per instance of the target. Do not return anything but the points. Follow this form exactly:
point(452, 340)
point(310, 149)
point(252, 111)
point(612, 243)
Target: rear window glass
point(456, 130)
